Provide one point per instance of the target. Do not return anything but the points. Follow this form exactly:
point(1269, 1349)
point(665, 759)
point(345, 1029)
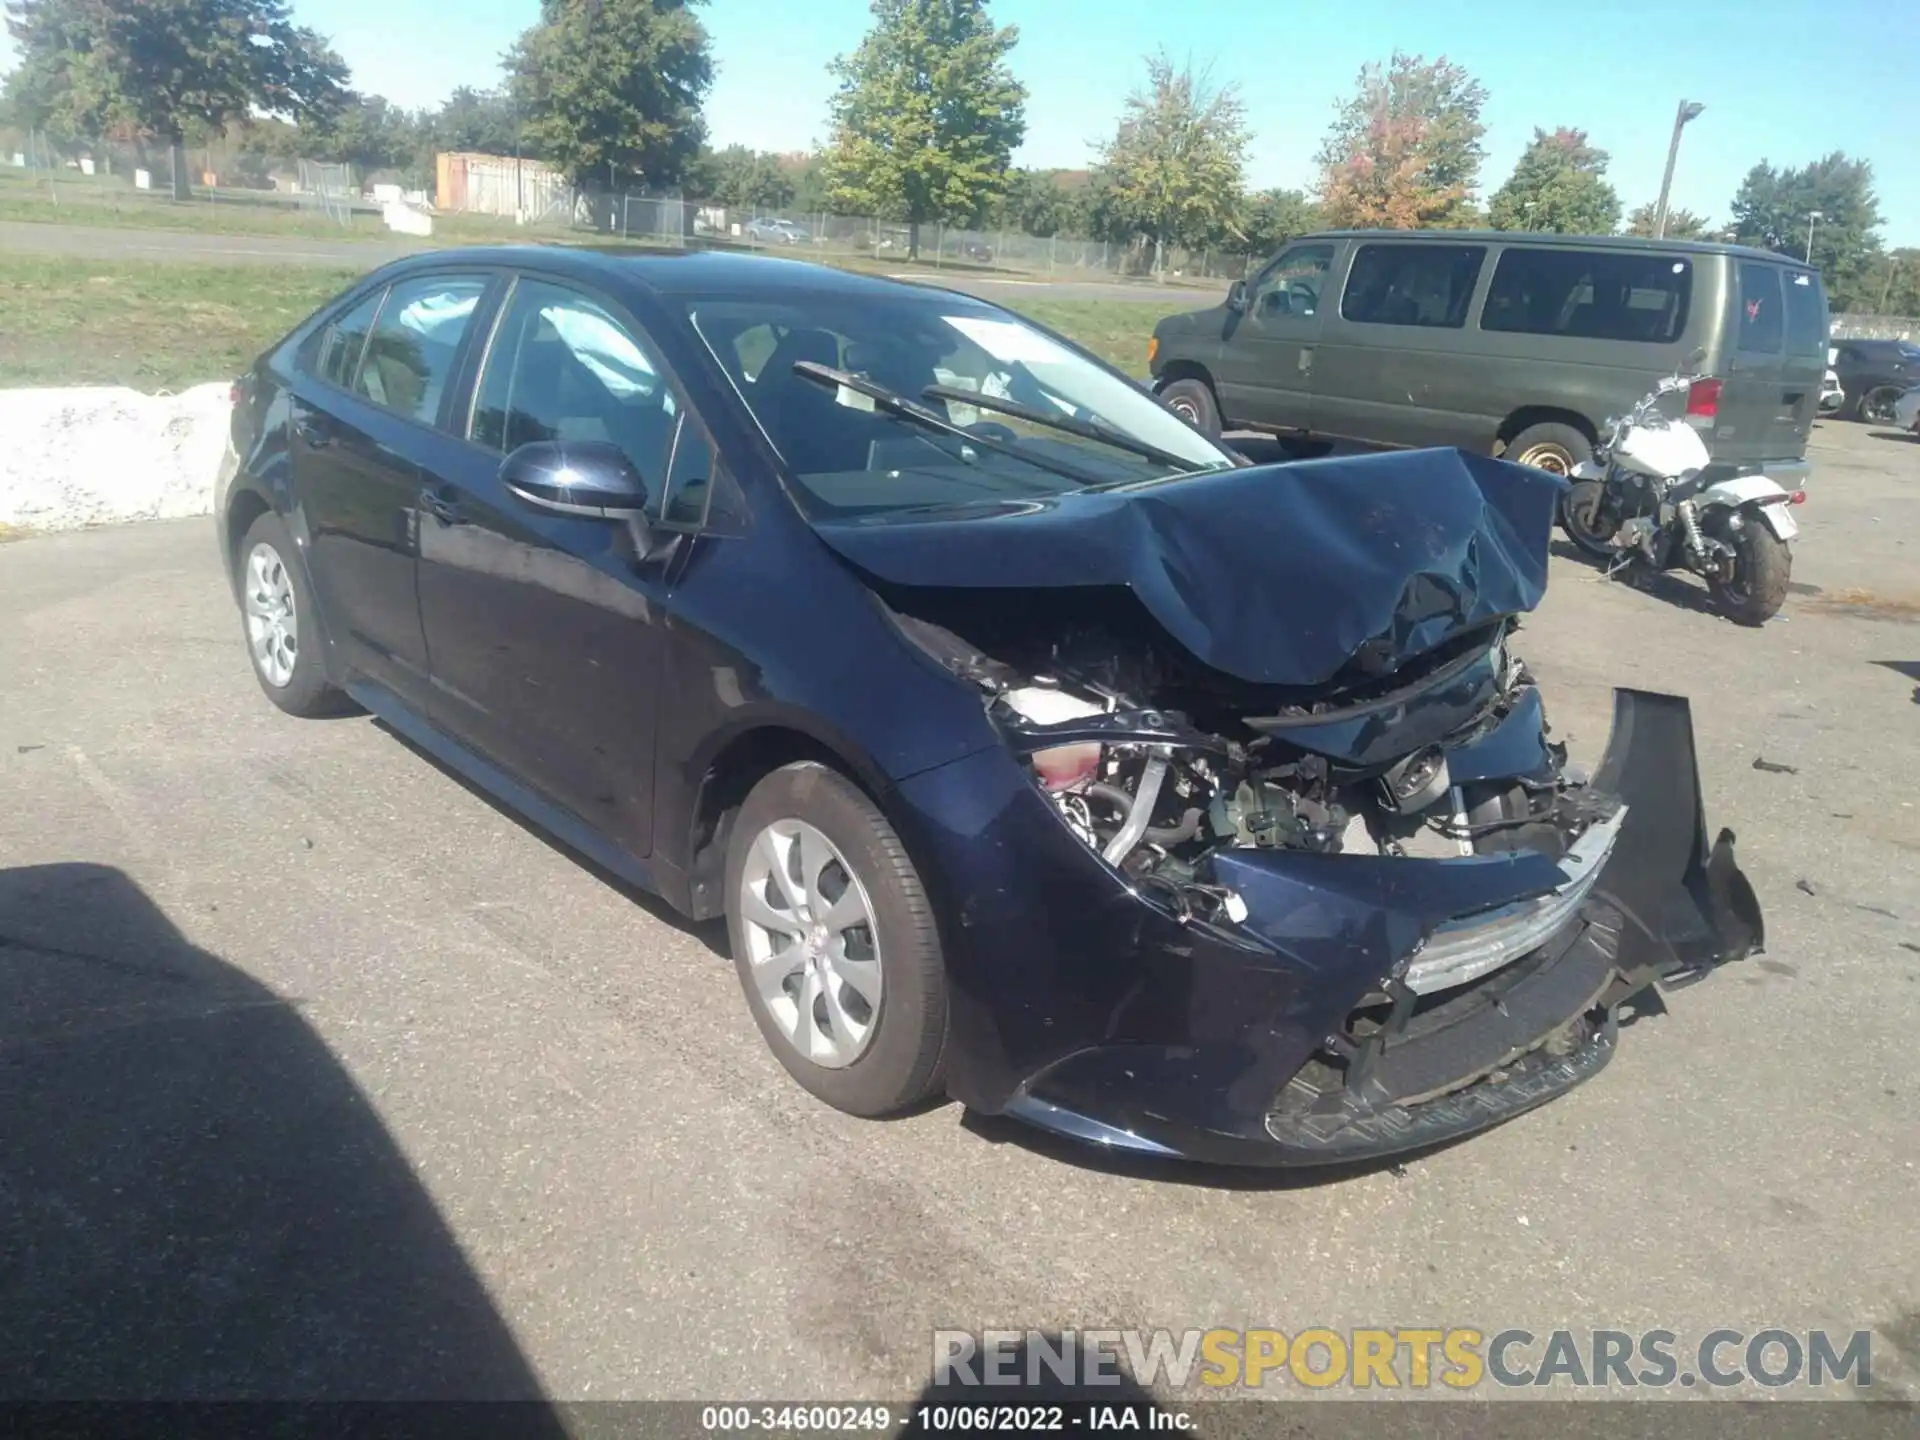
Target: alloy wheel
point(273, 629)
point(811, 946)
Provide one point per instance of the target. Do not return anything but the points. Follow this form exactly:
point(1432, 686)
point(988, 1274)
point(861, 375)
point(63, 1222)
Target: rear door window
point(1423, 285)
point(410, 355)
point(1589, 295)
point(1806, 313)
point(1762, 323)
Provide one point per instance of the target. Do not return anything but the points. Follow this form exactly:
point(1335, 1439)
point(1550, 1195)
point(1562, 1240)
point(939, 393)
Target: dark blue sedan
point(1038, 751)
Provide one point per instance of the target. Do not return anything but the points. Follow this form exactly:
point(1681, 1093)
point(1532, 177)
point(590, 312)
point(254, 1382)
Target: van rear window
point(1589, 295)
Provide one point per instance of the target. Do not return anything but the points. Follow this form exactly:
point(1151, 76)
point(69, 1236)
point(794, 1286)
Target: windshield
point(853, 457)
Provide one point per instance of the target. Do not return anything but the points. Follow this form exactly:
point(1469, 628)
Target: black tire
point(306, 692)
point(1875, 406)
point(904, 1060)
point(1549, 446)
point(1584, 521)
point(1762, 566)
point(1193, 402)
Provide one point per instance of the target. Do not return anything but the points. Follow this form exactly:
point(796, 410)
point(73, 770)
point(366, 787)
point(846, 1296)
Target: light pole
point(1687, 111)
point(1812, 217)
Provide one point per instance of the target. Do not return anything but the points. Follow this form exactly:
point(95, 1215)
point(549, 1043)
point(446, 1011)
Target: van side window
point(1589, 295)
point(1411, 284)
point(1806, 313)
point(1291, 284)
point(1762, 326)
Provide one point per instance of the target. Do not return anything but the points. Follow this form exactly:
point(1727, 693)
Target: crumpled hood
point(1277, 574)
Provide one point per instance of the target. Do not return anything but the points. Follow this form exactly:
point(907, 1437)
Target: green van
point(1510, 344)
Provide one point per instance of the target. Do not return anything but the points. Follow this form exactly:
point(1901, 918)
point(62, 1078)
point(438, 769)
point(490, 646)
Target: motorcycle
point(1640, 500)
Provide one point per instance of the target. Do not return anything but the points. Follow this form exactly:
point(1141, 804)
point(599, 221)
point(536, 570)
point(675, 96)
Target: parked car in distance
point(774, 230)
point(1510, 344)
point(959, 676)
point(1874, 374)
point(1832, 394)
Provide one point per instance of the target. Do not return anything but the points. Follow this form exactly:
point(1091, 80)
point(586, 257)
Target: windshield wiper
point(1102, 433)
point(907, 410)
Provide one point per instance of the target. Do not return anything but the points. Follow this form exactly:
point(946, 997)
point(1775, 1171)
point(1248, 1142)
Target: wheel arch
point(1527, 416)
point(246, 506)
point(1184, 369)
point(738, 762)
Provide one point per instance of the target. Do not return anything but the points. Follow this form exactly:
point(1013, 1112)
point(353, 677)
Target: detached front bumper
point(1421, 1035)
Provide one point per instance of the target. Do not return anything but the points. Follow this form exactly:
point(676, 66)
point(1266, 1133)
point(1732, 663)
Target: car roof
point(692, 272)
point(1580, 242)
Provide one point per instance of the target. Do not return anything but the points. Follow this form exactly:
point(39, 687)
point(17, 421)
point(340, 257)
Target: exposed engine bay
point(1158, 762)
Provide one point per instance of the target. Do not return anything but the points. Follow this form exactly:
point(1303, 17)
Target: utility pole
point(1812, 217)
point(1687, 111)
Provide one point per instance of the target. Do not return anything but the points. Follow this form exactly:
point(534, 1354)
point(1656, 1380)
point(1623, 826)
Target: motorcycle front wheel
point(1757, 587)
point(1586, 520)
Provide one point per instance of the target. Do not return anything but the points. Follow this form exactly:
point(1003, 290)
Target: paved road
point(101, 243)
point(333, 1078)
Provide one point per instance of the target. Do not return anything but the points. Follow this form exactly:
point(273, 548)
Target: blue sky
point(1785, 80)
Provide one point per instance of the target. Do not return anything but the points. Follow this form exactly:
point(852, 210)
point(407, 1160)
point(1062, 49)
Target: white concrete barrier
point(92, 455)
point(403, 219)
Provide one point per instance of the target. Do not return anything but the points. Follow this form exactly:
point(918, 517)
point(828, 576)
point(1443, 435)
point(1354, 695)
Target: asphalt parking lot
point(321, 1075)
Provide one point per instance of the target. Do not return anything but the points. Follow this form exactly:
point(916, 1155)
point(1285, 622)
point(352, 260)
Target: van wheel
point(1193, 402)
point(1550, 446)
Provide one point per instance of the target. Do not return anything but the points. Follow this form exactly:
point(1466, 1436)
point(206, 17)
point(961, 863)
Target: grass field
point(152, 326)
point(158, 326)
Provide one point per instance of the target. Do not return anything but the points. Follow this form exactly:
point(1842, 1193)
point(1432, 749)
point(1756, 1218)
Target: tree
point(1891, 285)
point(371, 133)
point(1681, 224)
point(1037, 203)
point(927, 115)
point(483, 122)
point(1174, 167)
point(1274, 217)
point(611, 89)
point(744, 179)
point(1773, 209)
point(1405, 151)
point(157, 68)
point(1558, 187)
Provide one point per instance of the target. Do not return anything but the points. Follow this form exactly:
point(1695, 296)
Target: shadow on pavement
point(196, 1200)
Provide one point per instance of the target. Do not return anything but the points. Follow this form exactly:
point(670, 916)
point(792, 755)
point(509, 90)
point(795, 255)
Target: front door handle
point(442, 504)
point(313, 434)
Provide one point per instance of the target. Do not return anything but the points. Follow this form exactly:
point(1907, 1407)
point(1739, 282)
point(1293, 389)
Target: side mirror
point(1237, 296)
point(591, 478)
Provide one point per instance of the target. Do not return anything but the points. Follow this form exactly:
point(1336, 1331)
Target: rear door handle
point(443, 505)
point(1306, 359)
point(313, 434)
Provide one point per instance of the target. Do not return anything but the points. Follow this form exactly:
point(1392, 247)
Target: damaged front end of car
point(1330, 763)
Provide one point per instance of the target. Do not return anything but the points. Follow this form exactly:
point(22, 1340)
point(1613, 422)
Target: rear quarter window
point(1589, 295)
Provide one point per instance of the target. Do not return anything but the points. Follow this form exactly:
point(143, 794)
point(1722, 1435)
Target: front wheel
point(835, 942)
point(1193, 402)
point(1755, 587)
point(1587, 521)
point(1876, 406)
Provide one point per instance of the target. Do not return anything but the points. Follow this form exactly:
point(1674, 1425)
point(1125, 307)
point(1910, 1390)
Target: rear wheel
point(1549, 446)
point(1193, 402)
point(1587, 521)
point(1755, 588)
point(281, 624)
